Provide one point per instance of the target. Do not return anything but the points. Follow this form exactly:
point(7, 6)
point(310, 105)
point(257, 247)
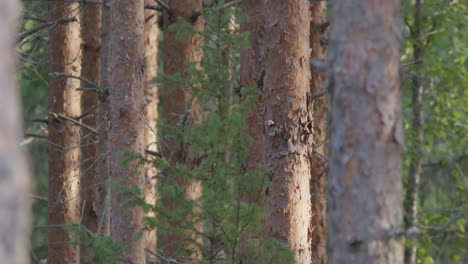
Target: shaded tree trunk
point(15, 205)
point(174, 102)
point(318, 161)
point(64, 137)
point(103, 163)
point(89, 104)
point(287, 121)
point(417, 151)
point(151, 111)
point(365, 205)
point(126, 98)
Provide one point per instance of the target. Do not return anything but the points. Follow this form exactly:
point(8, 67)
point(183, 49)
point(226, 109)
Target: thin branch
point(62, 74)
point(319, 94)
point(46, 25)
point(87, 112)
point(411, 63)
point(159, 256)
point(36, 136)
point(447, 224)
point(71, 120)
point(196, 14)
point(154, 7)
point(164, 5)
point(153, 153)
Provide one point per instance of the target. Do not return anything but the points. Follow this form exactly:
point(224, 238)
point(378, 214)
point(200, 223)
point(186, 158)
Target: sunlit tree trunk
point(151, 111)
point(89, 104)
point(318, 106)
point(174, 102)
point(287, 123)
point(15, 205)
point(127, 100)
point(103, 163)
point(64, 137)
point(365, 192)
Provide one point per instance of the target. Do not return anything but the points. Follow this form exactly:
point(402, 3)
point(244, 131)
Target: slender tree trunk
point(89, 104)
point(151, 111)
point(318, 106)
point(126, 97)
point(287, 121)
point(64, 137)
point(365, 205)
point(174, 102)
point(103, 163)
point(417, 152)
point(15, 204)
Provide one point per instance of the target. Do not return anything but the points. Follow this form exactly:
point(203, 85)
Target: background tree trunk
point(287, 122)
point(15, 205)
point(318, 161)
point(64, 137)
point(104, 208)
point(176, 99)
point(151, 111)
point(417, 150)
point(365, 205)
point(126, 97)
point(89, 104)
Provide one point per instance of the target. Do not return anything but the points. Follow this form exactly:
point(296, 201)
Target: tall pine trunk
point(89, 104)
point(417, 150)
point(103, 162)
point(318, 161)
point(151, 111)
point(15, 205)
point(174, 102)
point(126, 97)
point(64, 137)
point(287, 123)
point(365, 192)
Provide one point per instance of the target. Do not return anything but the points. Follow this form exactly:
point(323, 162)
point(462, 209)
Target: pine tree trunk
point(126, 97)
point(174, 102)
point(64, 137)
point(15, 205)
point(365, 192)
point(318, 161)
point(89, 104)
point(103, 163)
point(417, 153)
point(151, 111)
point(287, 121)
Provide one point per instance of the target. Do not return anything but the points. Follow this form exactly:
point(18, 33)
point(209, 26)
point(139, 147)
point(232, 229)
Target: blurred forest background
point(435, 58)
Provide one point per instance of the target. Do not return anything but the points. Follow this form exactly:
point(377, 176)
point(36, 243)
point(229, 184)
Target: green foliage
point(101, 249)
point(444, 184)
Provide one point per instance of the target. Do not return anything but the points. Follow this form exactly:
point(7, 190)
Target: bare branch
point(46, 25)
point(71, 120)
point(62, 74)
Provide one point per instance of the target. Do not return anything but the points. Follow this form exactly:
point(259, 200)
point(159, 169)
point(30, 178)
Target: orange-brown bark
point(151, 111)
point(89, 103)
point(318, 106)
point(64, 137)
point(365, 192)
point(287, 121)
point(174, 102)
point(15, 205)
point(127, 101)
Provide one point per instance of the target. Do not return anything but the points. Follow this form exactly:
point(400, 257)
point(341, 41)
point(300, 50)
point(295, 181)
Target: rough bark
point(364, 183)
point(318, 161)
point(151, 112)
point(64, 137)
point(126, 98)
point(104, 208)
point(89, 103)
point(287, 121)
point(417, 152)
point(174, 102)
point(15, 204)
